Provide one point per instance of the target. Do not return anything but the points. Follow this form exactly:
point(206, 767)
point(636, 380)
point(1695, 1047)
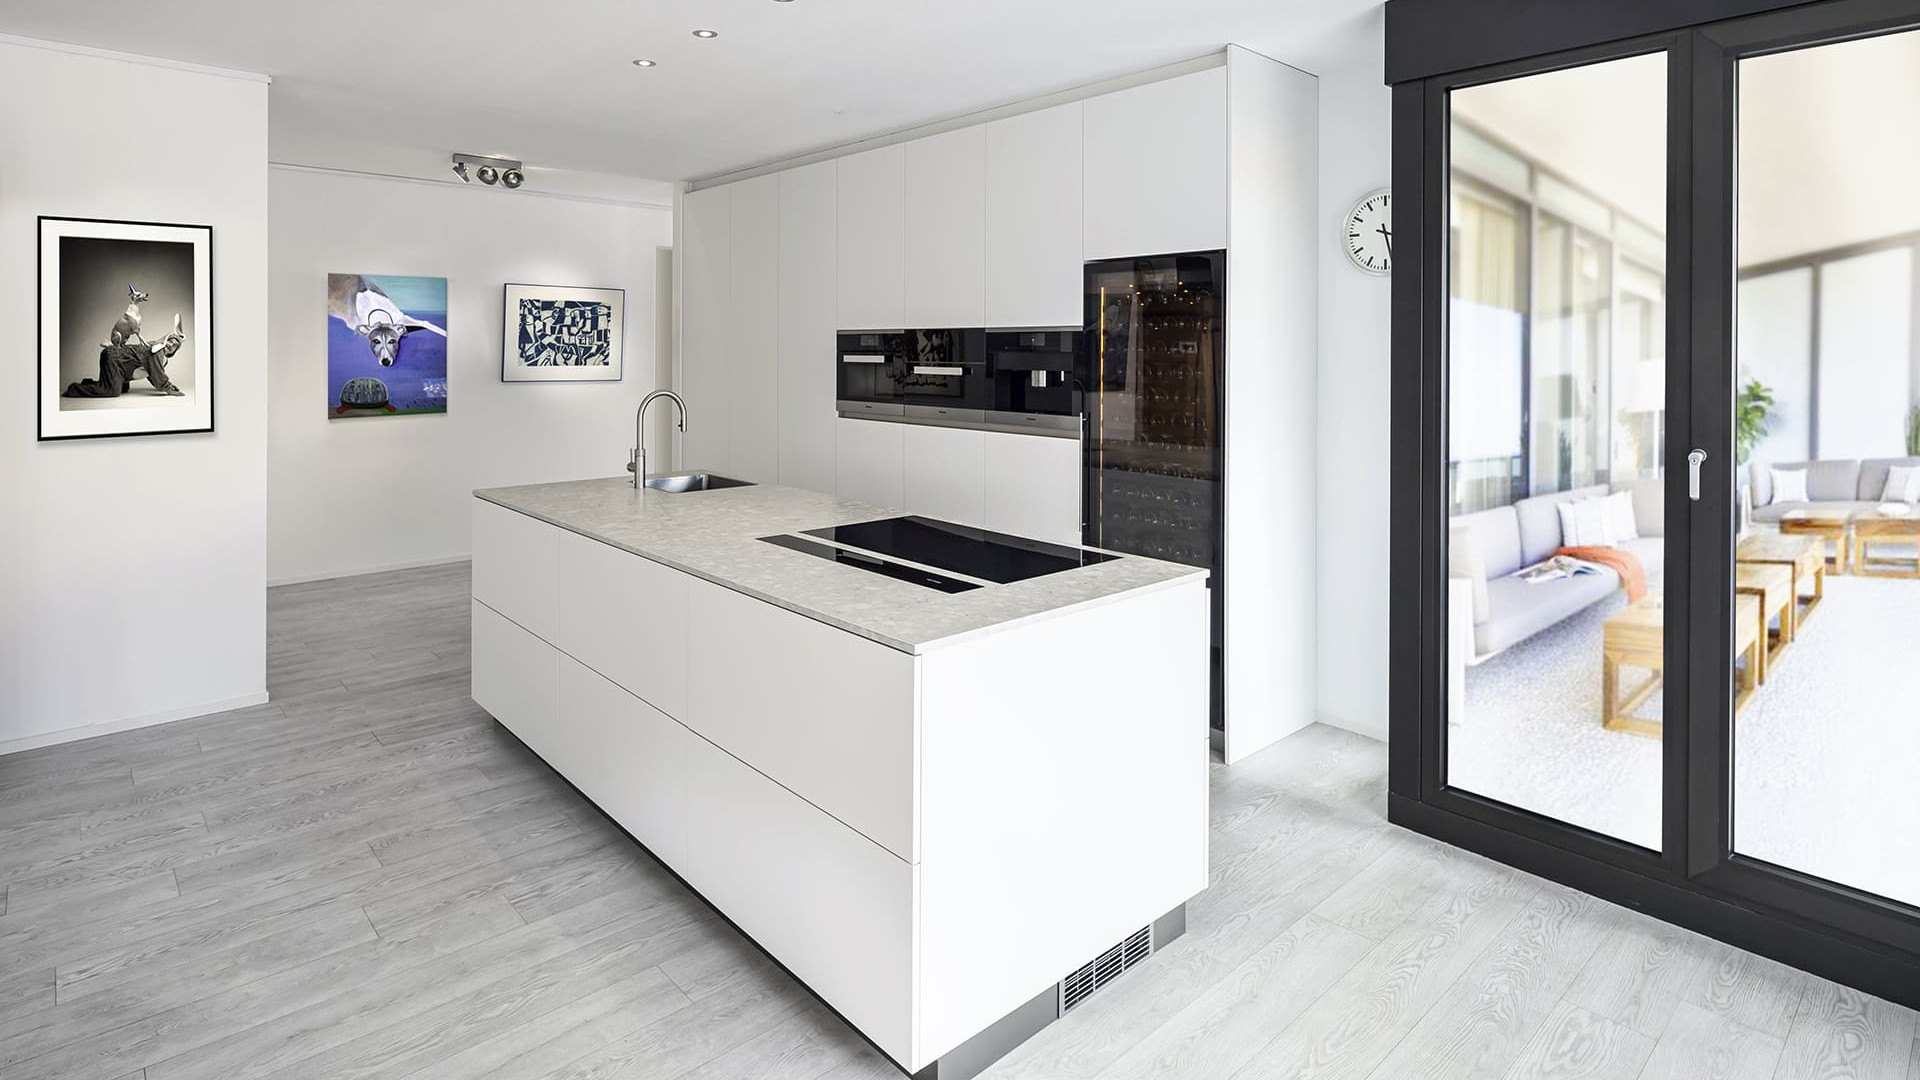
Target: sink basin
point(699, 481)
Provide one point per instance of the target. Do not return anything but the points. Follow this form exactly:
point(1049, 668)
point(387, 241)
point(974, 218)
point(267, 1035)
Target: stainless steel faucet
point(637, 462)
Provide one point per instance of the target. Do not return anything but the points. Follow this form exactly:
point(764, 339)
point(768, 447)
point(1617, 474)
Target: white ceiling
point(553, 83)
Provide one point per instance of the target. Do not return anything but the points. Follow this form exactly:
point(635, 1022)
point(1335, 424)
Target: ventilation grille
point(1105, 968)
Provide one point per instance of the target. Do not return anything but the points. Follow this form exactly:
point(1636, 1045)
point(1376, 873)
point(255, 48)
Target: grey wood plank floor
point(368, 878)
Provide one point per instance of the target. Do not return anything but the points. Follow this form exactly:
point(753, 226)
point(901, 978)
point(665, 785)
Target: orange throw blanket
point(1625, 563)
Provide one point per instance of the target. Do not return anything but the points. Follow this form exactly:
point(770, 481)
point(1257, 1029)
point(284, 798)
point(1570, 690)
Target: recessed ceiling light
point(706, 33)
point(643, 63)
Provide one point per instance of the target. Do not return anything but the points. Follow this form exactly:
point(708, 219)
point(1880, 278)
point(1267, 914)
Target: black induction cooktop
point(961, 549)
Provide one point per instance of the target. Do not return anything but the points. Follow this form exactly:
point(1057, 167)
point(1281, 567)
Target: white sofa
point(1489, 547)
point(1832, 485)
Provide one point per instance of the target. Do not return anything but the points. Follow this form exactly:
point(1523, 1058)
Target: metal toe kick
point(973, 1056)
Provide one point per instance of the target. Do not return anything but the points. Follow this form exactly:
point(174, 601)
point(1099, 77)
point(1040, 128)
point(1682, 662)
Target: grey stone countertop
point(715, 535)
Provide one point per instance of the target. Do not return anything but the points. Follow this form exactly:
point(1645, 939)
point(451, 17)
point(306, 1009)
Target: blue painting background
point(417, 381)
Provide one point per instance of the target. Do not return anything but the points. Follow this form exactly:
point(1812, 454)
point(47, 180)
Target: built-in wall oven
point(1018, 379)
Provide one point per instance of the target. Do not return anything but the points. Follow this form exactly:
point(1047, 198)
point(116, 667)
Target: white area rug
point(1826, 755)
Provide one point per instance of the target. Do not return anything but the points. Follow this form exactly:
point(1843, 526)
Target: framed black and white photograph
point(125, 329)
point(557, 333)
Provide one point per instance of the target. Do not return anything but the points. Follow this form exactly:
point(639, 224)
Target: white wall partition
point(358, 494)
point(133, 570)
point(1352, 506)
point(1775, 346)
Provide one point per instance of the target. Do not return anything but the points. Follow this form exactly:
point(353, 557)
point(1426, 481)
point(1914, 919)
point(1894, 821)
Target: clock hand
point(1388, 233)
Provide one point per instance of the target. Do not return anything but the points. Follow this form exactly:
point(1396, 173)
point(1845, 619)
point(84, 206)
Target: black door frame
point(1695, 880)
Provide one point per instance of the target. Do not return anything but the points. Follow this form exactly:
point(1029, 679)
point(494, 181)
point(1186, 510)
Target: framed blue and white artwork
point(555, 333)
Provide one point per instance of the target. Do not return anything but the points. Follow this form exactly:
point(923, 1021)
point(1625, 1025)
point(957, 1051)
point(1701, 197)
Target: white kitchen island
point(930, 807)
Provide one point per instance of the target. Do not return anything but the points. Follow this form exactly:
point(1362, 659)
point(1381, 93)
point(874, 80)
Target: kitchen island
point(934, 791)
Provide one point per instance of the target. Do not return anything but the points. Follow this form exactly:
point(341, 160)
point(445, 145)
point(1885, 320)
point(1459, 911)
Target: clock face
point(1368, 233)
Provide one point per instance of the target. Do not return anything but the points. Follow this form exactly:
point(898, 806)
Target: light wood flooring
point(369, 878)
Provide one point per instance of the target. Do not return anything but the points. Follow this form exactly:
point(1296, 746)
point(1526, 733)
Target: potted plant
point(1752, 413)
point(1913, 431)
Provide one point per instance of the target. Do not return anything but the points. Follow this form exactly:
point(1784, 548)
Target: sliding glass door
point(1556, 386)
point(1657, 480)
point(1825, 583)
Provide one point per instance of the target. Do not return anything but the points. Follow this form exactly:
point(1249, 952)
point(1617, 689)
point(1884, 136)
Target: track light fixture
point(490, 171)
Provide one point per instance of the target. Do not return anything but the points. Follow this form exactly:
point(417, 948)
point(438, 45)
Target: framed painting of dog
point(559, 333)
point(125, 328)
point(386, 345)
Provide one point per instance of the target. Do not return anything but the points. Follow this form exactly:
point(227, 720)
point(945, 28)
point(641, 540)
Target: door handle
point(1695, 459)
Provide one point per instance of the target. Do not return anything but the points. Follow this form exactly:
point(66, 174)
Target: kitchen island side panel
point(1063, 798)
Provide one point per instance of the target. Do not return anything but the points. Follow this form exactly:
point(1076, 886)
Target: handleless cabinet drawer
point(627, 756)
point(826, 714)
point(832, 906)
point(514, 564)
point(626, 618)
point(514, 677)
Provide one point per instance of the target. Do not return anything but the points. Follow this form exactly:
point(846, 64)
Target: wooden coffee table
point(1806, 556)
point(1873, 525)
point(1829, 525)
point(1636, 637)
point(1773, 585)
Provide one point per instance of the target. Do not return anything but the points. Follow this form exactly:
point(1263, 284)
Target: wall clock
point(1368, 232)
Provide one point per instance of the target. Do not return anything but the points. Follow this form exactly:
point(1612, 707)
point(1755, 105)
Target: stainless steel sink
point(699, 481)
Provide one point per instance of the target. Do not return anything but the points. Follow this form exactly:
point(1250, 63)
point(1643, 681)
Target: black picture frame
point(1696, 880)
point(204, 330)
point(509, 328)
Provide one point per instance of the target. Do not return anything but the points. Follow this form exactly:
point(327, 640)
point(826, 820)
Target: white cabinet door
point(1033, 486)
point(947, 229)
point(752, 398)
point(706, 308)
point(827, 714)
point(627, 756)
point(514, 566)
point(873, 239)
point(870, 462)
point(946, 474)
point(1156, 167)
point(514, 677)
point(626, 618)
point(809, 247)
point(1034, 246)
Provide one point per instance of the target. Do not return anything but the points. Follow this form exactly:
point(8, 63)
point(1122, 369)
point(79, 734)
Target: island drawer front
point(825, 713)
point(514, 677)
point(626, 618)
point(515, 566)
point(832, 906)
point(624, 754)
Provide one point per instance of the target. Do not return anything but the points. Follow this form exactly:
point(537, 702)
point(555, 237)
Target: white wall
point(1353, 499)
point(132, 570)
point(366, 493)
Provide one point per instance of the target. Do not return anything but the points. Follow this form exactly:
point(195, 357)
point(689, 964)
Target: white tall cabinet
point(809, 264)
point(1033, 218)
point(990, 225)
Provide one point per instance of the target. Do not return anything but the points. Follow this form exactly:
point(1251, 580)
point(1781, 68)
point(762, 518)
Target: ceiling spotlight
point(706, 33)
point(505, 172)
point(643, 63)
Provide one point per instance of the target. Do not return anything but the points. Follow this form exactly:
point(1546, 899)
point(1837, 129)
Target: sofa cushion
point(1521, 610)
point(1834, 481)
point(1649, 505)
point(1498, 531)
point(1652, 553)
point(1540, 522)
point(1771, 513)
point(1873, 476)
point(1465, 560)
point(1789, 486)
